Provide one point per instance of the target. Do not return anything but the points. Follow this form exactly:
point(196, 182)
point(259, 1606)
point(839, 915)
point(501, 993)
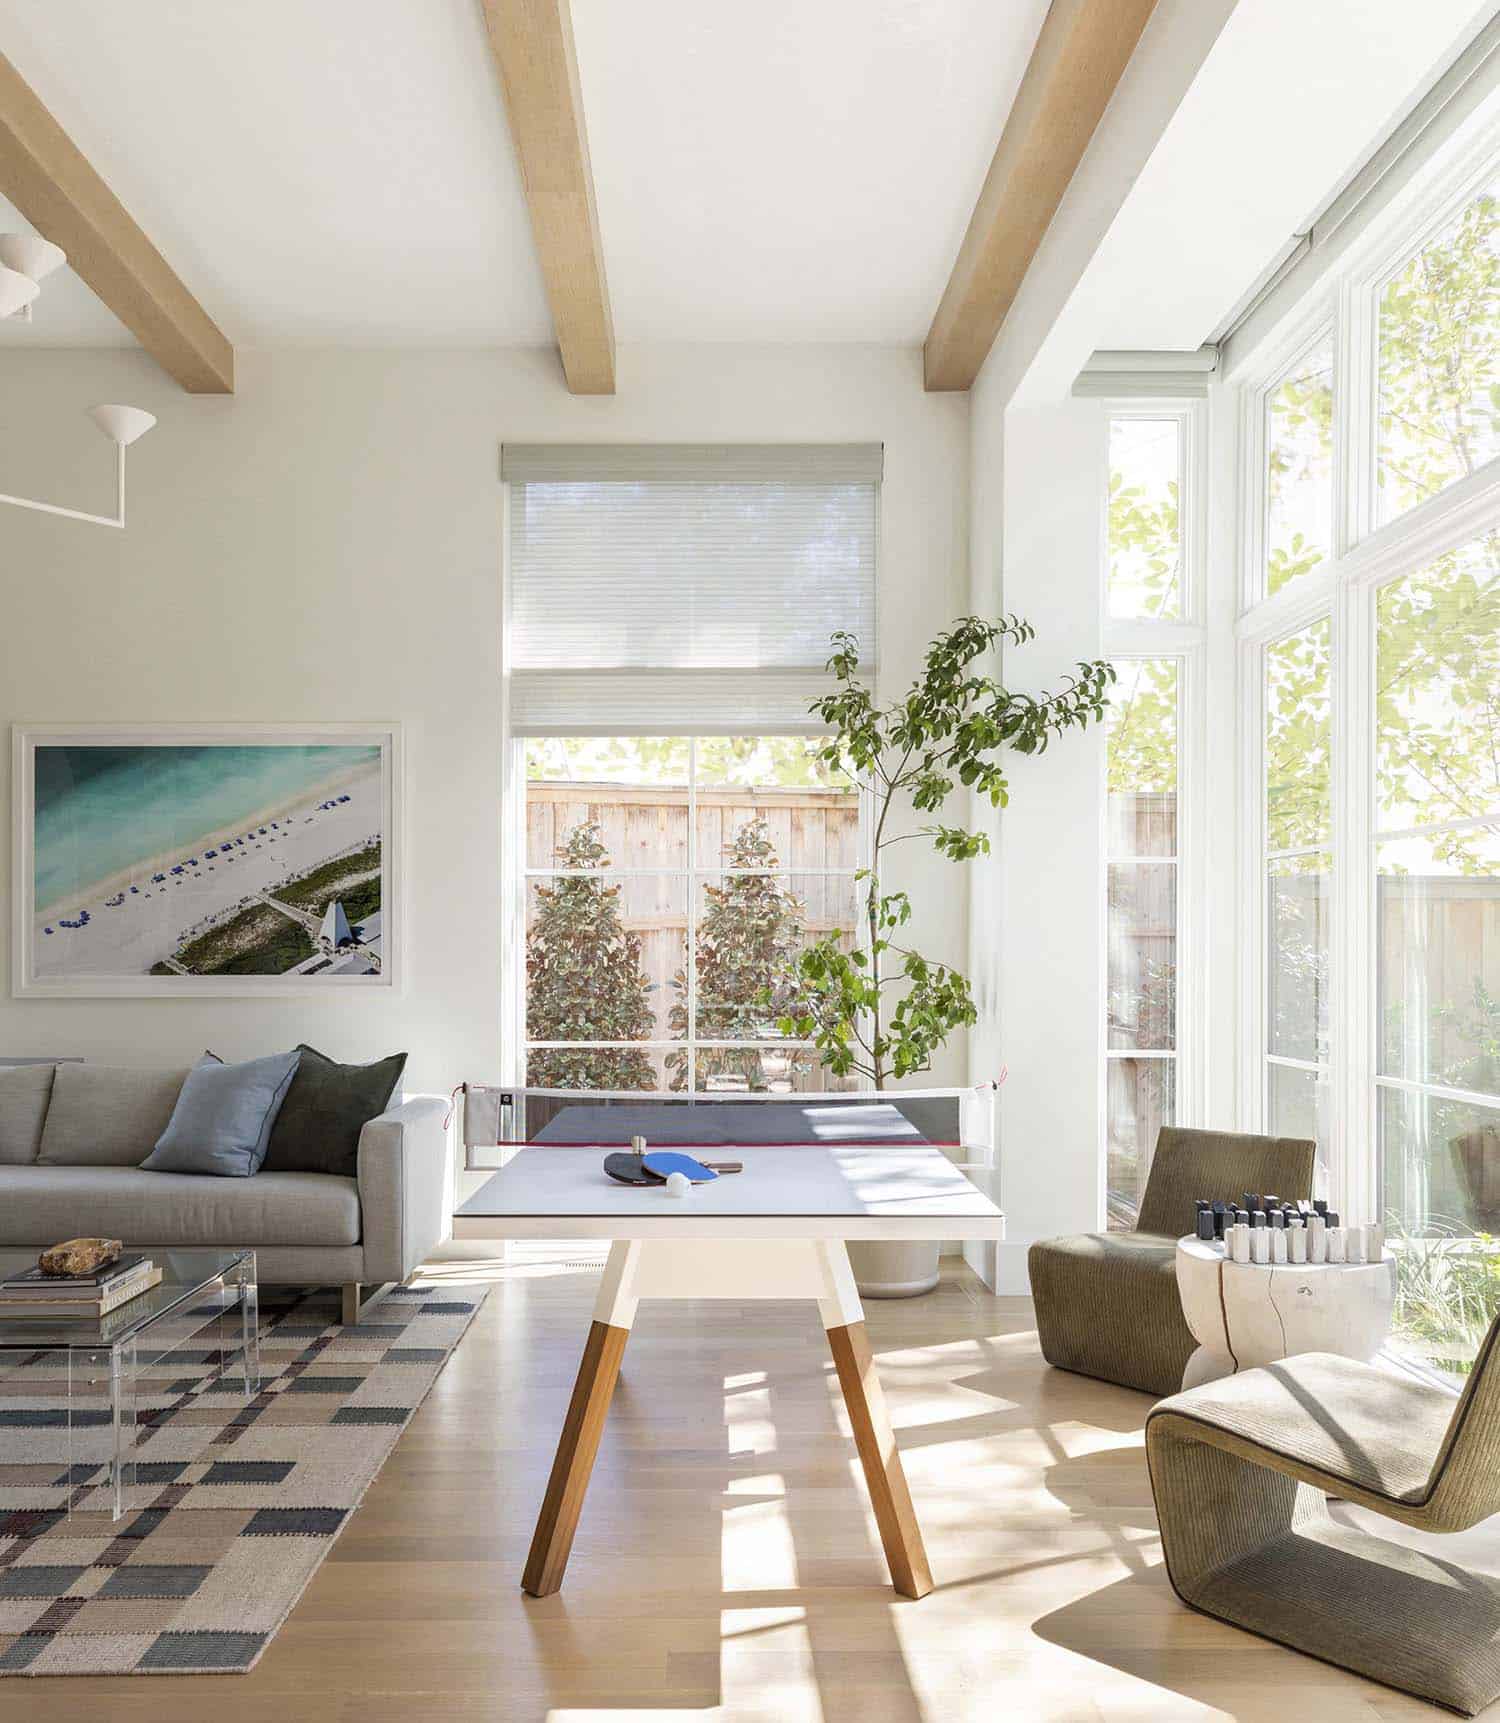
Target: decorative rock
point(78, 1256)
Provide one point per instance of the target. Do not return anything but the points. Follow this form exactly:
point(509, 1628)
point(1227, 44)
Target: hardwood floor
point(727, 1563)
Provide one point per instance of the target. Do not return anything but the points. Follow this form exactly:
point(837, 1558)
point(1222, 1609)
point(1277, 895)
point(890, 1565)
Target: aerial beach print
point(217, 865)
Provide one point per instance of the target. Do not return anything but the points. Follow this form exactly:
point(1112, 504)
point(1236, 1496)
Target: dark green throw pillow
point(326, 1107)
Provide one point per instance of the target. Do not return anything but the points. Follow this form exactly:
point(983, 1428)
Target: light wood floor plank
point(728, 1564)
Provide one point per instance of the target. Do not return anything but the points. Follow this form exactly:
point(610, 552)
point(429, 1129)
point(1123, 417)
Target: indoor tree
point(882, 1010)
point(749, 932)
point(584, 980)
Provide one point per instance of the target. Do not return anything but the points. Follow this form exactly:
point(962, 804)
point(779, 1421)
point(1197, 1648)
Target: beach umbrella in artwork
point(335, 928)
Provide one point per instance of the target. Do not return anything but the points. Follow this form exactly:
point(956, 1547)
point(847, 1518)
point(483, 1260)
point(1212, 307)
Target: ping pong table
point(777, 1230)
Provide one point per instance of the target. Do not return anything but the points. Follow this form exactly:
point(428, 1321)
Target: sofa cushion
point(327, 1106)
point(106, 1115)
point(39, 1205)
point(24, 1093)
point(223, 1117)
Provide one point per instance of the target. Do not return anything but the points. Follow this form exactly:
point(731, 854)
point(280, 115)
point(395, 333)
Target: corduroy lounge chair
point(1107, 1303)
point(1241, 1470)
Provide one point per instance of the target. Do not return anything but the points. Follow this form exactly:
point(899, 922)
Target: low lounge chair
point(1242, 1469)
point(1107, 1303)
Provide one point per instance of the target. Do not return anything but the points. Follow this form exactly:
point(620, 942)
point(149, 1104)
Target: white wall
point(1037, 911)
point(326, 546)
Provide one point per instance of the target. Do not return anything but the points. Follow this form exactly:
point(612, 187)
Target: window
point(1373, 655)
point(1298, 871)
point(1439, 383)
point(1141, 842)
point(1144, 528)
point(1437, 891)
point(1299, 467)
point(669, 880)
point(668, 618)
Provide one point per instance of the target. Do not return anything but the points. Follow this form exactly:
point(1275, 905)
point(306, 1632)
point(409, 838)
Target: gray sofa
point(72, 1137)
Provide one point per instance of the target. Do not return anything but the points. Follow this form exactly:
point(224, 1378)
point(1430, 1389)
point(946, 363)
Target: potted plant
point(879, 1009)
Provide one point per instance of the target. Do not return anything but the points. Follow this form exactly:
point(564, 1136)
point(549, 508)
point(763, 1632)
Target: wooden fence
point(647, 827)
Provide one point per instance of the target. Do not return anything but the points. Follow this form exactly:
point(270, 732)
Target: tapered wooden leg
point(350, 1302)
point(576, 1448)
point(881, 1459)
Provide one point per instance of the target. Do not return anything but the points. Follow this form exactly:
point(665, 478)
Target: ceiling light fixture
point(122, 425)
point(26, 260)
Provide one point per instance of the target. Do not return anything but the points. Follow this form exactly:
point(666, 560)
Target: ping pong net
point(497, 1120)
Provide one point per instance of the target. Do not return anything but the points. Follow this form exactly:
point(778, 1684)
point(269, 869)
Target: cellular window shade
point(674, 589)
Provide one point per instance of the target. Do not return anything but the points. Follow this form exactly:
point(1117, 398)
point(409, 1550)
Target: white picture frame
point(185, 905)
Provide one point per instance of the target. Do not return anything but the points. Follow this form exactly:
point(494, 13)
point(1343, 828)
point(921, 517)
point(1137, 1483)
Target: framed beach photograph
point(230, 859)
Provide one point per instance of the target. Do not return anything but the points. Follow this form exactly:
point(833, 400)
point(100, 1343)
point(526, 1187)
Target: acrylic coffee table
point(774, 1231)
point(92, 1367)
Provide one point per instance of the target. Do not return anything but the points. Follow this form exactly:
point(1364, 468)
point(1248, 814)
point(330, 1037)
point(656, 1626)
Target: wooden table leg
point(576, 1448)
point(884, 1474)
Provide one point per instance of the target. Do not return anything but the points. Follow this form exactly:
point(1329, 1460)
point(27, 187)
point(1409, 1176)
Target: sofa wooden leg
point(350, 1311)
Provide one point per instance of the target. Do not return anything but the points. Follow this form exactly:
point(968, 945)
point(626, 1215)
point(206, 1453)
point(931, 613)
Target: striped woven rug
point(236, 1503)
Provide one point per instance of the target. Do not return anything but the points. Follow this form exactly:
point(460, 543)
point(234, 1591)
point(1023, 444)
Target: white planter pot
point(900, 1269)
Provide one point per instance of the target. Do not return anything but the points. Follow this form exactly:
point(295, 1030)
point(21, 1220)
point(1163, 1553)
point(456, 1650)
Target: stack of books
point(86, 1297)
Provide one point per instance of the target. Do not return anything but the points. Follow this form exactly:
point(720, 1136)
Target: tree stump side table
point(1248, 1313)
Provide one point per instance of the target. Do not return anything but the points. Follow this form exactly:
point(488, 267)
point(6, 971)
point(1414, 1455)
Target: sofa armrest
point(403, 1164)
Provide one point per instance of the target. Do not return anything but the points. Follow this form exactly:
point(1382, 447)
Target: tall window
point(1375, 651)
point(1298, 869)
point(1144, 522)
point(669, 882)
point(1437, 877)
point(669, 610)
point(1140, 1056)
point(1438, 376)
point(1299, 467)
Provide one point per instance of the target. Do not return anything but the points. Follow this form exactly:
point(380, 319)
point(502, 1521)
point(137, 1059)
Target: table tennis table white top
point(803, 1190)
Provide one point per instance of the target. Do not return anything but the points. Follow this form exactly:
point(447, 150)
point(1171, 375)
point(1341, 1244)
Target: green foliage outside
point(1439, 381)
point(1144, 534)
point(750, 931)
point(584, 980)
point(1299, 469)
point(883, 1010)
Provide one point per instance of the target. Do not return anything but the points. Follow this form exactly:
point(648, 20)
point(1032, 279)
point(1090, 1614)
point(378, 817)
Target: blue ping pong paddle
point(663, 1161)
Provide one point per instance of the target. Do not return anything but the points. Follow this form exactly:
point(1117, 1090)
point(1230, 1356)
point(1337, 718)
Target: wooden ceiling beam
point(1083, 48)
point(533, 44)
point(48, 178)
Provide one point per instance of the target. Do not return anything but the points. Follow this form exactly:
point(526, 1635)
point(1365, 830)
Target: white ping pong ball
point(678, 1184)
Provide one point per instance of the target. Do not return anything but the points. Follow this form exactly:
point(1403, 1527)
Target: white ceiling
point(1224, 190)
point(340, 172)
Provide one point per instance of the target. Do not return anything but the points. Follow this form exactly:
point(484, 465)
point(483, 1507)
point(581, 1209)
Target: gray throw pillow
point(327, 1106)
point(223, 1117)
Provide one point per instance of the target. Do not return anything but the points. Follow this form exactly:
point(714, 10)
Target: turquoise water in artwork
point(101, 810)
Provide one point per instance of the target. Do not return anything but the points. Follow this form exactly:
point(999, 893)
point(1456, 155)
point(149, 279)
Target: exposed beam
point(48, 178)
point(1083, 47)
point(533, 43)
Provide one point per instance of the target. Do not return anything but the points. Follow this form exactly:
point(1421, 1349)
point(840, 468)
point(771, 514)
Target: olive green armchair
point(1107, 1303)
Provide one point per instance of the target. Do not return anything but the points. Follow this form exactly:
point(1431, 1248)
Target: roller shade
point(679, 589)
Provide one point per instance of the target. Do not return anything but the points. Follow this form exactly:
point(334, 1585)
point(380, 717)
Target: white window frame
point(1366, 557)
point(1185, 641)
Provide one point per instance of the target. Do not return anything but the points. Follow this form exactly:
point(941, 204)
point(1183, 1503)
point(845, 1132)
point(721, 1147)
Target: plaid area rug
point(236, 1503)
